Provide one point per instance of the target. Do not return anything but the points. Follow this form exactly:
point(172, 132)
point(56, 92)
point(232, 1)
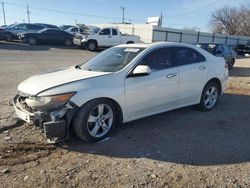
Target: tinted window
point(114, 32)
point(158, 59)
point(74, 29)
point(20, 26)
point(53, 31)
point(185, 56)
point(105, 32)
point(34, 27)
point(219, 49)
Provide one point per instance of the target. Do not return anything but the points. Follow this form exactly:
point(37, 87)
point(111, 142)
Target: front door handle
point(109, 36)
point(202, 68)
point(171, 75)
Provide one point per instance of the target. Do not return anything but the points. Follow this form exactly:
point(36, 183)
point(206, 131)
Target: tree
point(231, 20)
point(245, 21)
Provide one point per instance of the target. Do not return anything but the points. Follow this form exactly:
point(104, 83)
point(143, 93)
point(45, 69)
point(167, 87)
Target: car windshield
point(208, 47)
point(91, 31)
point(111, 60)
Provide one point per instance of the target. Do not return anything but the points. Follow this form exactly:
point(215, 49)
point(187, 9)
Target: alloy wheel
point(100, 120)
point(211, 96)
point(91, 46)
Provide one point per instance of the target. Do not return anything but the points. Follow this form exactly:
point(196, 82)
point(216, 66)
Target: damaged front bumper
point(54, 123)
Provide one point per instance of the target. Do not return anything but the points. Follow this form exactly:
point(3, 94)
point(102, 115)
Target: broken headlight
point(48, 102)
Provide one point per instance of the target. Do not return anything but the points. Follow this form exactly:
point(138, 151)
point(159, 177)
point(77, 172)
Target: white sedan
point(121, 84)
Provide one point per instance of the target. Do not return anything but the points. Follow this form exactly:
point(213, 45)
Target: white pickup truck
point(103, 38)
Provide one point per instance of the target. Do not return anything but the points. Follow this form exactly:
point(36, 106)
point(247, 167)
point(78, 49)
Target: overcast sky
point(176, 13)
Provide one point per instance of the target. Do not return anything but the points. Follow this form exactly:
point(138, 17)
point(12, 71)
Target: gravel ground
point(181, 148)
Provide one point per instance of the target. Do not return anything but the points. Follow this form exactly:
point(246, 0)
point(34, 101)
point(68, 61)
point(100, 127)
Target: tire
point(130, 42)
point(8, 37)
point(231, 64)
point(93, 124)
point(32, 40)
point(209, 97)
point(68, 42)
point(91, 45)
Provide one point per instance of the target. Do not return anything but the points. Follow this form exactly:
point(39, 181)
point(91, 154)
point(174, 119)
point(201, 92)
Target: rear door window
point(186, 56)
point(219, 49)
point(114, 32)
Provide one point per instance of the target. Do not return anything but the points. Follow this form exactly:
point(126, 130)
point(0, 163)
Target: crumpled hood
point(38, 83)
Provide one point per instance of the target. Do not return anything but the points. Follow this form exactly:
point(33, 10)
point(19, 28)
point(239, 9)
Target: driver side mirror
point(141, 70)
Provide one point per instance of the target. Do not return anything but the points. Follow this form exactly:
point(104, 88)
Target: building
point(150, 33)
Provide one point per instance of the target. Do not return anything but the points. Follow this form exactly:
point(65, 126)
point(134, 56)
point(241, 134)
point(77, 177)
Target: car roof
point(54, 29)
point(155, 44)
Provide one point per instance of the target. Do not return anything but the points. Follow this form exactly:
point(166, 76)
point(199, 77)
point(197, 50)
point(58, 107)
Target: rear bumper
point(54, 124)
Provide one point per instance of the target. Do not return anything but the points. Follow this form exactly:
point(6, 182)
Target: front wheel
point(95, 120)
point(31, 40)
point(209, 97)
point(91, 45)
point(8, 37)
point(67, 42)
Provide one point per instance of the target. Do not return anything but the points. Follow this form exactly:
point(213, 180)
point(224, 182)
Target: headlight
point(48, 102)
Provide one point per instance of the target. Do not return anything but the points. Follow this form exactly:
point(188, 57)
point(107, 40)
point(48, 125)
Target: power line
point(194, 10)
point(67, 12)
point(12, 18)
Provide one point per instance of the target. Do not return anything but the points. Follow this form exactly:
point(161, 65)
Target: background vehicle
point(12, 31)
point(47, 25)
point(47, 36)
point(64, 27)
point(2, 33)
point(243, 49)
point(110, 88)
point(105, 37)
point(220, 50)
point(74, 30)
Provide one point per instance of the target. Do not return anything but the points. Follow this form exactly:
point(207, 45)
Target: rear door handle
point(171, 75)
point(202, 67)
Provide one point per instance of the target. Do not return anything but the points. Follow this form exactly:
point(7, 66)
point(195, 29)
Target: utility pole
point(123, 10)
point(4, 19)
point(161, 20)
point(28, 13)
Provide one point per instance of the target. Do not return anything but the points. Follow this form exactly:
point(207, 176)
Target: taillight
point(226, 66)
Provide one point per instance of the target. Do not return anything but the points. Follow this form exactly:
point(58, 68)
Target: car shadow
point(240, 72)
point(17, 45)
point(185, 136)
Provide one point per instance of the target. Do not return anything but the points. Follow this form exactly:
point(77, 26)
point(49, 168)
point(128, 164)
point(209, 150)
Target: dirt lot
point(181, 148)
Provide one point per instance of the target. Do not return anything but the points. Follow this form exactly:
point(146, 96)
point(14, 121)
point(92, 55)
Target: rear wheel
point(95, 120)
point(32, 40)
point(8, 37)
point(231, 64)
point(209, 96)
point(67, 42)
